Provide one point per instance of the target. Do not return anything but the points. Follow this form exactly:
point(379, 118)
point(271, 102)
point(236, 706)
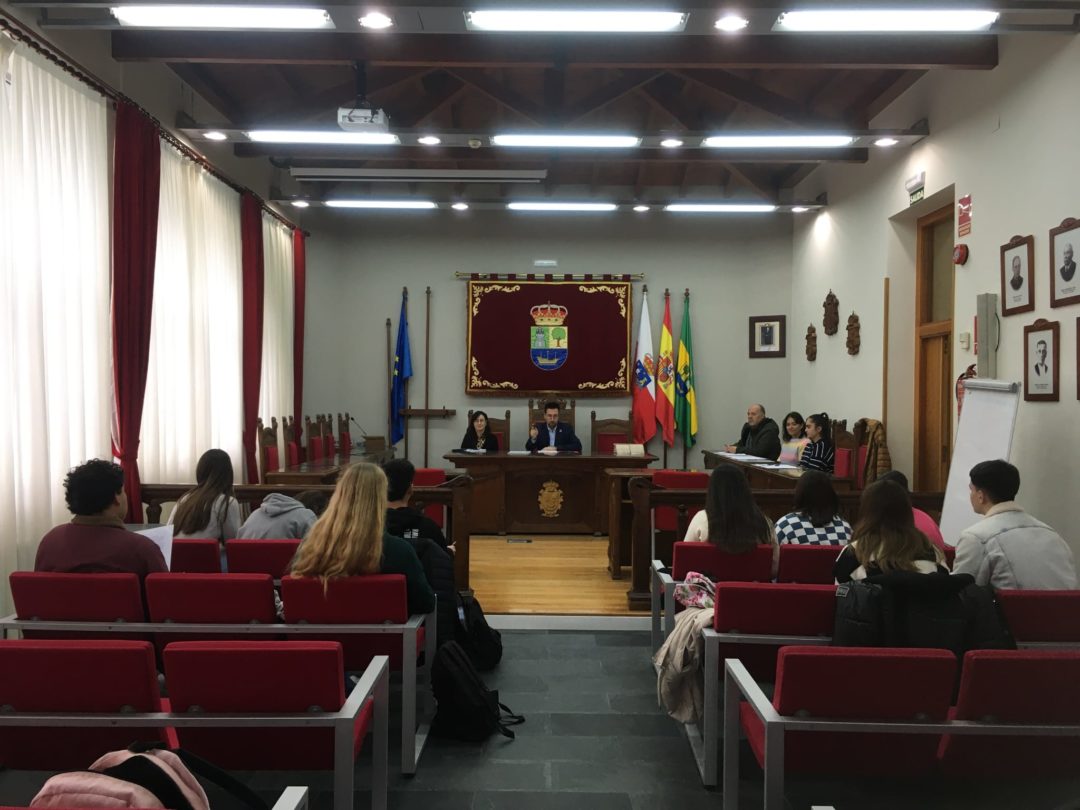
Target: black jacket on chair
point(439, 571)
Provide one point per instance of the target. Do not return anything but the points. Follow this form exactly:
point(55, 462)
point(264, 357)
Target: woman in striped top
point(819, 454)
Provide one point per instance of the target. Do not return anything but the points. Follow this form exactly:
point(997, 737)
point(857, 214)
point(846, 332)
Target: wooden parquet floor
point(554, 574)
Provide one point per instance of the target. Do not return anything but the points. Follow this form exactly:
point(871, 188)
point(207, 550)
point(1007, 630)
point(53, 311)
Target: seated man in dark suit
point(96, 542)
point(552, 433)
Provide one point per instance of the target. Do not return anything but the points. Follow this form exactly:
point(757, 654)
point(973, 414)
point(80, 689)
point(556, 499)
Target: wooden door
point(933, 350)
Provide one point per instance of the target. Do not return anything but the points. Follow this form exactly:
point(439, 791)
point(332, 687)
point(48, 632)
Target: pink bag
point(155, 779)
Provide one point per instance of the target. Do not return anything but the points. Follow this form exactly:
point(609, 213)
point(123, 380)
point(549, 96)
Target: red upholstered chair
point(344, 436)
point(313, 433)
point(76, 597)
point(379, 600)
point(271, 557)
point(875, 685)
point(290, 678)
point(269, 455)
point(293, 441)
point(606, 433)
point(1015, 686)
point(432, 477)
point(106, 676)
point(209, 599)
point(329, 449)
point(195, 556)
point(950, 556)
point(665, 517)
point(1047, 617)
point(846, 451)
point(806, 564)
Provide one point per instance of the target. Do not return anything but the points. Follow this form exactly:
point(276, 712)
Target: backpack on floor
point(147, 775)
point(467, 709)
point(481, 641)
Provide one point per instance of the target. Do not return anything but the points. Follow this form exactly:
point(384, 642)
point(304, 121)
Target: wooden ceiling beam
point(968, 51)
point(442, 89)
point(201, 80)
point(670, 105)
point(881, 94)
point(754, 95)
point(748, 179)
point(325, 102)
point(609, 93)
point(501, 94)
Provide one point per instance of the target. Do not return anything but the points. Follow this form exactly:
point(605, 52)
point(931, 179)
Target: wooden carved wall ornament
point(854, 341)
point(811, 343)
point(831, 321)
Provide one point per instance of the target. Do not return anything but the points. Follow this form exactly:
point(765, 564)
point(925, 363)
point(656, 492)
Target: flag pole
point(389, 384)
point(427, 366)
point(405, 380)
point(686, 303)
point(667, 295)
point(644, 302)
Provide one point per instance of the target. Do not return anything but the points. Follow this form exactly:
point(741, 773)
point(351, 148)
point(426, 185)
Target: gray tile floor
point(594, 739)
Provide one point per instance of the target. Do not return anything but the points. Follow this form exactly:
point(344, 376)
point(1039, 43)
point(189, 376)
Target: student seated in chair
point(1009, 548)
point(96, 542)
point(280, 517)
point(731, 520)
point(551, 433)
point(923, 522)
point(816, 519)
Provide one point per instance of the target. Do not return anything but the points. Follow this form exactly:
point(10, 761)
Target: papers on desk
point(475, 450)
point(748, 459)
point(519, 452)
point(162, 537)
point(778, 466)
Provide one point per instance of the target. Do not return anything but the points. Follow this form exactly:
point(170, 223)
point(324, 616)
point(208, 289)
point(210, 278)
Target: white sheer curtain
point(55, 349)
point(276, 383)
point(193, 387)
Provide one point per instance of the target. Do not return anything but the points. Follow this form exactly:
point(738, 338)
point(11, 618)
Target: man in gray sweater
point(280, 517)
point(1009, 548)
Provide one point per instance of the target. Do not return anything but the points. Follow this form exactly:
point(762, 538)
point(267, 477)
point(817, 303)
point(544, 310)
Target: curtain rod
point(549, 276)
point(20, 33)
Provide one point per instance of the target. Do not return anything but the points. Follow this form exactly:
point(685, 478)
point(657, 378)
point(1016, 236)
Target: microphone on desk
point(362, 431)
point(356, 444)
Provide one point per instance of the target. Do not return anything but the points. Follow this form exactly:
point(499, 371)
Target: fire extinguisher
point(967, 375)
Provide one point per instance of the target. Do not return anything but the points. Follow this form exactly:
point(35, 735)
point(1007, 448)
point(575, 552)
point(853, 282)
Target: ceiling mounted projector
point(363, 118)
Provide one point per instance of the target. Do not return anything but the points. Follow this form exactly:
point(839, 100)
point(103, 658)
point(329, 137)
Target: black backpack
point(467, 709)
point(481, 641)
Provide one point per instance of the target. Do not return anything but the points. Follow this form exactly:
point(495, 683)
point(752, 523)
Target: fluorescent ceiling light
point(395, 204)
point(206, 16)
point(541, 140)
point(429, 140)
point(214, 135)
point(731, 23)
point(329, 174)
point(886, 142)
point(376, 21)
point(719, 208)
point(799, 209)
point(670, 143)
point(568, 20)
point(460, 206)
point(641, 208)
point(560, 206)
point(887, 20)
point(777, 141)
point(322, 137)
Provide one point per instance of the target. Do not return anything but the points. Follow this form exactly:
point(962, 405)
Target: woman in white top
point(794, 438)
point(209, 510)
point(731, 520)
point(815, 520)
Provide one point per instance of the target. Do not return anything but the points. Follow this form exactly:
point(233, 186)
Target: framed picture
point(1041, 366)
point(768, 336)
point(1064, 254)
point(1017, 280)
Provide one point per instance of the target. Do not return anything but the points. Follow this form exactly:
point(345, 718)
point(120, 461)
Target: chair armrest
point(292, 798)
point(737, 677)
point(376, 674)
point(662, 577)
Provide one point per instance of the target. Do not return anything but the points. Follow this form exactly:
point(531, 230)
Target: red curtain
point(299, 273)
point(252, 252)
point(136, 183)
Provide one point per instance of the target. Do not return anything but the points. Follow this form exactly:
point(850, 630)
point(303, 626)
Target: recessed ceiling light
point(799, 209)
point(641, 208)
point(376, 21)
point(560, 206)
point(207, 16)
point(300, 203)
point(887, 20)
point(542, 140)
point(671, 143)
point(214, 135)
point(460, 206)
point(322, 137)
point(886, 142)
point(777, 141)
point(719, 208)
point(389, 204)
point(429, 140)
point(567, 20)
point(731, 23)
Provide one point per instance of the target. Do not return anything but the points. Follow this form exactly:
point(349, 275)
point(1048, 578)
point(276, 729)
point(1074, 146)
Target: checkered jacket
point(796, 529)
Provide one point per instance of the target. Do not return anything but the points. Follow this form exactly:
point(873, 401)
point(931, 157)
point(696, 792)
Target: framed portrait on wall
point(1017, 280)
point(768, 336)
point(1064, 255)
point(1042, 341)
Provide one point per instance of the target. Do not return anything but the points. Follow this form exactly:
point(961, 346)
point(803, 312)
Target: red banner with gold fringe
point(565, 337)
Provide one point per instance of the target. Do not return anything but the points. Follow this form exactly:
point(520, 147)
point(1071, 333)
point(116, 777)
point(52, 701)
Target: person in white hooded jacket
point(281, 517)
point(1009, 548)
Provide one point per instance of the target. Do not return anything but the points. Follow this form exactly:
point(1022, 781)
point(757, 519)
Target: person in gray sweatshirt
point(280, 517)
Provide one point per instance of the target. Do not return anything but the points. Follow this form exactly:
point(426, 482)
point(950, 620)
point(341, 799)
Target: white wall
point(1008, 137)
point(357, 265)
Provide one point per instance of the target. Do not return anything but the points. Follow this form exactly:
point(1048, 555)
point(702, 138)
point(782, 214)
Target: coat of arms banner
point(563, 337)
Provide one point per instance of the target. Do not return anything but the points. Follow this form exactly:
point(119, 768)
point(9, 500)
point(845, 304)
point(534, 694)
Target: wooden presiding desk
point(538, 493)
point(763, 474)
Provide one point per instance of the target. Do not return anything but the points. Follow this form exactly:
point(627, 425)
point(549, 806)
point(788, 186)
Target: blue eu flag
point(402, 372)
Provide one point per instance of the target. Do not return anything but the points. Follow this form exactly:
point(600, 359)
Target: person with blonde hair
point(350, 539)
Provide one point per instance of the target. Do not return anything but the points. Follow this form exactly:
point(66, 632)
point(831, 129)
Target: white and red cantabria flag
point(644, 407)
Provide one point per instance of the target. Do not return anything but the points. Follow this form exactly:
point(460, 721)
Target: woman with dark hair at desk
point(479, 436)
point(820, 454)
